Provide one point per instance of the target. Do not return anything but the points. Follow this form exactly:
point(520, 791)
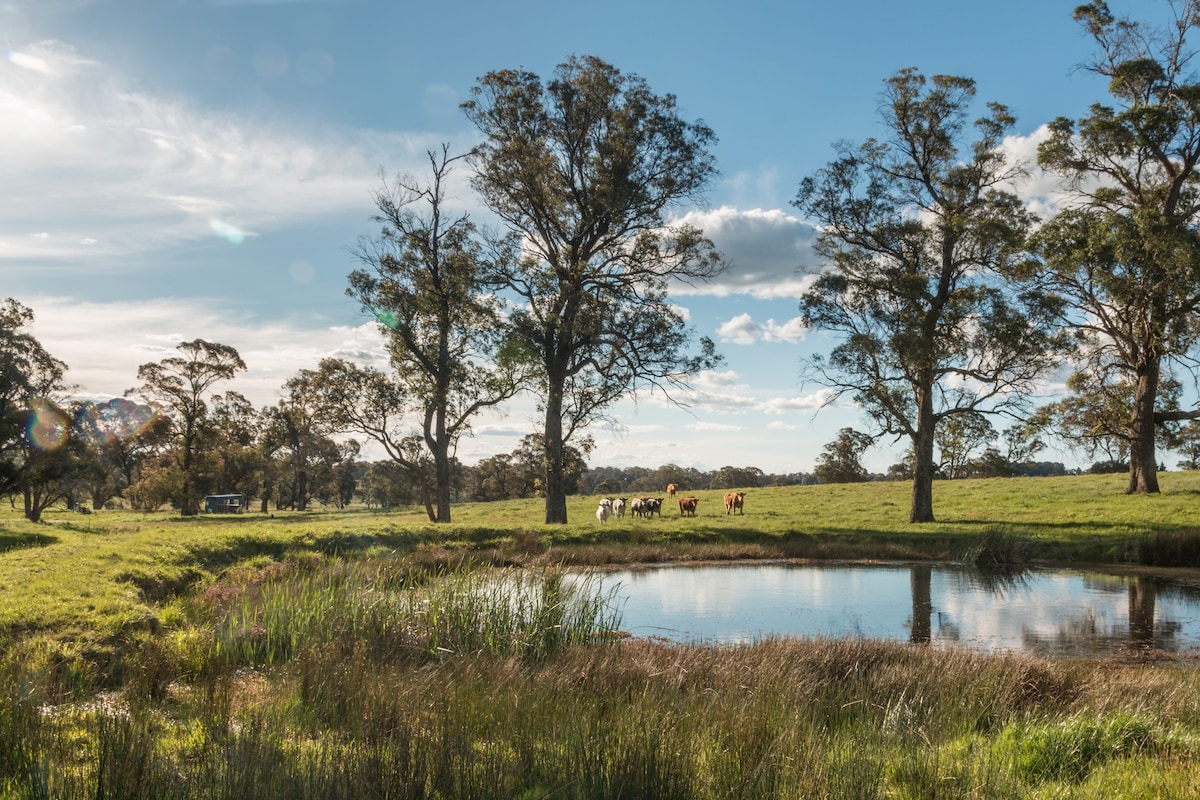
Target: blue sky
point(176, 169)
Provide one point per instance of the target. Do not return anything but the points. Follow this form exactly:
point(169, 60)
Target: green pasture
point(364, 653)
point(96, 575)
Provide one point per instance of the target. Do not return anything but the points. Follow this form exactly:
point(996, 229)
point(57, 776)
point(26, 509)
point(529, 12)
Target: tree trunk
point(427, 501)
point(32, 512)
point(1143, 462)
point(441, 465)
point(190, 506)
point(301, 490)
point(921, 509)
point(556, 487)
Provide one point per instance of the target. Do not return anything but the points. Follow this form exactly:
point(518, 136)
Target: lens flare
point(232, 233)
point(386, 318)
point(118, 419)
point(48, 427)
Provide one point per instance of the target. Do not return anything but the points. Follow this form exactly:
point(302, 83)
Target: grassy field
point(360, 653)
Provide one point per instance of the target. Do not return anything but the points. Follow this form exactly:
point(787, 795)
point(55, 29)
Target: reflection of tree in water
point(1085, 635)
point(920, 629)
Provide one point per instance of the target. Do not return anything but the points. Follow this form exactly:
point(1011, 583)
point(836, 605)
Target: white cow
point(619, 507)
point(605, 510)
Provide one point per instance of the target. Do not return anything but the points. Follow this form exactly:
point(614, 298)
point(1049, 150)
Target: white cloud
point(133, 172)
point(712, 379)
point(780, 426)
point(808, 402)
point(743, 330)
point(713, 426)
point(103, 344)
point(770, 253)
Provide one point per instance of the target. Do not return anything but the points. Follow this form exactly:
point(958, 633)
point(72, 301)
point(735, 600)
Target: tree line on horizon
point(949, 300)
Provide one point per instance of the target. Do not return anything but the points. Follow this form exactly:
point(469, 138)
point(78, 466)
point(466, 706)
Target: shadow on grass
point(10, 540)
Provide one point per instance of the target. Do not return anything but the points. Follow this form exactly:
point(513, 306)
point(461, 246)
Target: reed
point(634, 719)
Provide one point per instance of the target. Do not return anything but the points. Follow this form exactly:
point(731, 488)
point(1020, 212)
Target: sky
point(182, 169)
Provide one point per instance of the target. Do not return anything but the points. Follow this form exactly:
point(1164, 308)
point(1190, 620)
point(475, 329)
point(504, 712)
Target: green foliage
point(585, 169)
point(997, 550)
point(772, 719)
point(1122, 253)
point(427, 282)
point(1070, 749)
point(181, 386)
point(923, 248)
point(841, 460)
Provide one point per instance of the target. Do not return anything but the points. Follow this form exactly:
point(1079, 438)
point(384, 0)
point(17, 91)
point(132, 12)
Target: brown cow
point(671, 489)
point(687, 505)
point(733, 500)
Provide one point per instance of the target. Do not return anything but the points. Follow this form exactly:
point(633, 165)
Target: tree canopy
point(181, 386)
point(585, 169)
point(427, 281)
point(1125, 252)
point(920, 234)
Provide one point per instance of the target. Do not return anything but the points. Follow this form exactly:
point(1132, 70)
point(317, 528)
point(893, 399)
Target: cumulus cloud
point(131, 172)
point(813, 401)
point(711, 379)
point(743, 330)
point(769, 251)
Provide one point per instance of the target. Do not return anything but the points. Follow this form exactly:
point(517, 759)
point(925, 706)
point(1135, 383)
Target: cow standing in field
point(671, 489)
point(654, 506)
point(619, 507)
point(733, 501)
point(687, 506)
point(638, 507)
point(604, 511)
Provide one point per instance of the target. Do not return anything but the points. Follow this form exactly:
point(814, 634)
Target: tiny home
point(223, 504)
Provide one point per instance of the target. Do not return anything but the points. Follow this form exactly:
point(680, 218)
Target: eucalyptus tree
point(586, 169)
point(841, 460)
point(920, 232)
point(28, 375)
point(1125, 251)
point(958, 439)
point(352, 398)
point(426, 283)
point(180, 386)
point(296, 431)
point(119, 435)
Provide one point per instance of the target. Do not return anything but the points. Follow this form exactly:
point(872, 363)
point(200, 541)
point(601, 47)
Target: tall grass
point(397, 614)
point(356, 655)
point(636, 719)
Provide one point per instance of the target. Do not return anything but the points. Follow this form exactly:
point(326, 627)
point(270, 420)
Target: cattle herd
point(649, 506)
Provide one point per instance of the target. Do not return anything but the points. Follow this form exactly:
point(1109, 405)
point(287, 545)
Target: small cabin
point(223, 504)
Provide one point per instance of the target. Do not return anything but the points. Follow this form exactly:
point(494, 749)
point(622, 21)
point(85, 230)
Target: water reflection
point(1044, 612)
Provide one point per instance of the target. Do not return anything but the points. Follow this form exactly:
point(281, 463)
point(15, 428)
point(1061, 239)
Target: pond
point(1043, 612)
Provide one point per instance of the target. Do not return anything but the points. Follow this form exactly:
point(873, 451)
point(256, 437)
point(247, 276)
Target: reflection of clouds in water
point(742, 603)
point(1011, 617)
point(1041, 611)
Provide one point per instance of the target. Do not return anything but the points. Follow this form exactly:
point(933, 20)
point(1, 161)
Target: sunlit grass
point(347, 654)
point(107, 574)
